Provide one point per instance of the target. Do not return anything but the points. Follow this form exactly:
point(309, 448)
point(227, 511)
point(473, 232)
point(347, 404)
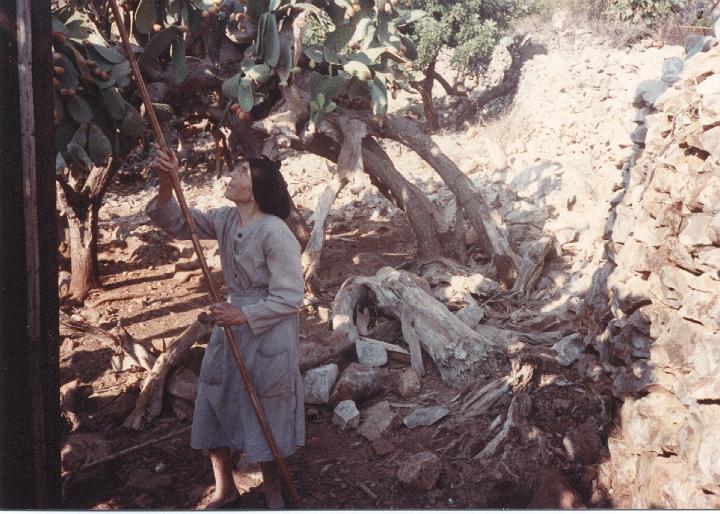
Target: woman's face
point(239, 187)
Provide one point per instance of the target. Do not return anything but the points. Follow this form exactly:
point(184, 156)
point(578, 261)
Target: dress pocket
point(270, 373)
point(211, 368)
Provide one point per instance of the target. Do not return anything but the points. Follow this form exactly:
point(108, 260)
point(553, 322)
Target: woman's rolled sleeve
point(285, 285)
point(168, 217)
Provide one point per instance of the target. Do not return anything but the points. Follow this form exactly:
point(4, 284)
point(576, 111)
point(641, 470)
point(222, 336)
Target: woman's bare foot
point(225, 490)
point(221, 499)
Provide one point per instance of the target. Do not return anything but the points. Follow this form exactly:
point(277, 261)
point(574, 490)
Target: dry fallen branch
point(149, 403)
point(350, 163)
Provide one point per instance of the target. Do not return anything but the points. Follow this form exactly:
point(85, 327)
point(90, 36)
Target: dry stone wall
point(655, 305)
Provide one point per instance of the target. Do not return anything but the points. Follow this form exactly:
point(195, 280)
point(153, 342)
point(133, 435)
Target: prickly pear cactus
point(92, 119)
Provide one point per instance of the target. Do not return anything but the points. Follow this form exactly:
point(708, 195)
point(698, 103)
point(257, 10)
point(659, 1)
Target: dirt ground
point(562, 147)
point(336, 469)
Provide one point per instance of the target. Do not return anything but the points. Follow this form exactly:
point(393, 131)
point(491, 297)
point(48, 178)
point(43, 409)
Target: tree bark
point(461, 354)
point(82, 206)
point(485, 220)
point(349, 164)
point(425, 88)
point(427, 223)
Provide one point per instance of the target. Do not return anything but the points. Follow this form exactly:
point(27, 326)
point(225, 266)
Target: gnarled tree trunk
point(485, 220)
point(81, 204)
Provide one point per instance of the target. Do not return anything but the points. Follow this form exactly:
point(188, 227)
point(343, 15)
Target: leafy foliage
point(470, 27)
point(93, 121)
point(644, 10)
point(353, 47)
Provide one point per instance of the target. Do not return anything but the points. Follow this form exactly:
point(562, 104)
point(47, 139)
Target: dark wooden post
point(29, 412)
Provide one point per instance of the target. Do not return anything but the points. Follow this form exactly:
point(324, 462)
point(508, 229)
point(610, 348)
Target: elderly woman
point(260, 259)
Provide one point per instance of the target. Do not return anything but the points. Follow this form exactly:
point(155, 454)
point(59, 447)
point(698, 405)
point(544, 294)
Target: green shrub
point(644, 10)
point(471, 27)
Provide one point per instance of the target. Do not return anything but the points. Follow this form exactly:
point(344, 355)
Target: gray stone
point(371, 354)
point(639, 134)
point(409, 386)
point(650, 423)
point(710, 141)
point(672, 67)
point(319, 382)
point(698, 231)
point(569, 348)
point(357, 383)
point(420, 471)
point(566, 235)
point(425, 416)
point(379, 420)
point(346, 415)
point(716, 29)
point(648, 91)
point(710, 258)
point(695, 43)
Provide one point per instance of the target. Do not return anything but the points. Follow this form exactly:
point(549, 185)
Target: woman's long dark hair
point(269, 187)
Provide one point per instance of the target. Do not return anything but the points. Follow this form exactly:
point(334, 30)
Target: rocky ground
point(551, 160)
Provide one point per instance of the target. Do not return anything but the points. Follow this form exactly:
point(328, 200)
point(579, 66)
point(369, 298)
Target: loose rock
point(409, 386)
point(425, 416)
point(420, 471)
point(371, 354)
point(346, 415)
point(357, 383)
point(379, 419)
point(319, 382)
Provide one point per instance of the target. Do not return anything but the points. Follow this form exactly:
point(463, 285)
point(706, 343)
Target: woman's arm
point(164, 211)
point(285, 285)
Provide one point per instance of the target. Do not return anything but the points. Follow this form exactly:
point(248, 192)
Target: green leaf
point(378, 94)
point(260, 38)
point(145, 16)
point(164, 112)
point(80, 135)
point(358, 69)
point(114, 103)
point(284, 66)
point(58, 26)
point(245, 96)
point(98, 145)
point(132, 124)
point(408, 16)
point(336, 42)
point(364, 32)
point(78, 108)
point(367, 57)
point(330, 107)
point(230, 86)
point(158, 44)
point(109, 54)
point(314, 53)
point(104, 84)
point(79, 155)
point(65, 132)
point(271, 41)
point(178, 60)
point(274, 4)
point(328, 86)
point(69, 79)
point(260, 73)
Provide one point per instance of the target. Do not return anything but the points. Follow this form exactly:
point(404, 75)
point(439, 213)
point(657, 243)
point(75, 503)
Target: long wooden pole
point(229, 336)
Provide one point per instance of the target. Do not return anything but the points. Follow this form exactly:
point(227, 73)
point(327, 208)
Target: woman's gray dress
point(262, 270)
